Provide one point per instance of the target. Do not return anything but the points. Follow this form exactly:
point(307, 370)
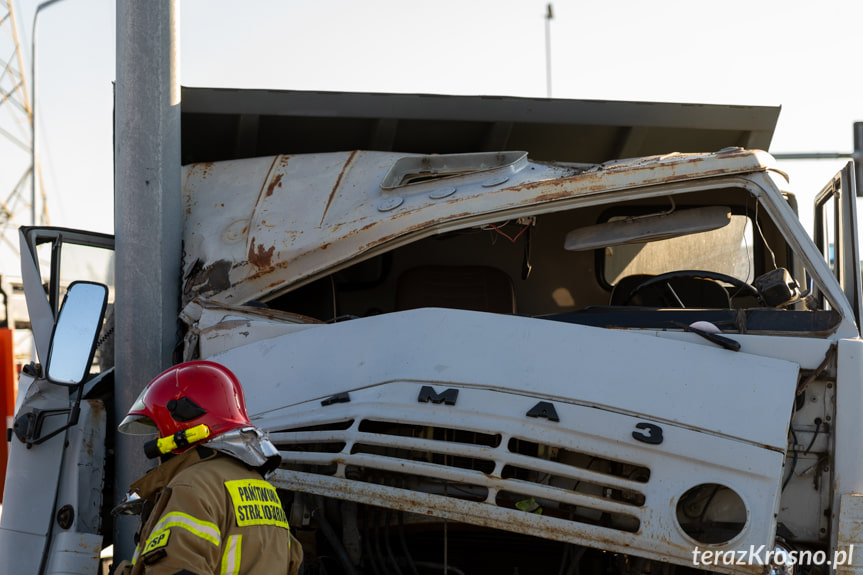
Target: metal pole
point(148, 219)
point(39, 8)
point(813, 156)
point(548, 16)
point(858, 157)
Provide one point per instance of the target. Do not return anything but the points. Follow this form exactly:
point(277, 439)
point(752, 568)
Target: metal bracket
point(28, 427)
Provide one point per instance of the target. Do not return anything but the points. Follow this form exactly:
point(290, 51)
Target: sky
point(790, 53)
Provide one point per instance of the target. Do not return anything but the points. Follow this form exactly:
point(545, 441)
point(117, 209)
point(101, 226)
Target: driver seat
point(693, 292)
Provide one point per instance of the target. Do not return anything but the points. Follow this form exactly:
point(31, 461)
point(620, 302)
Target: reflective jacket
point(212, 514)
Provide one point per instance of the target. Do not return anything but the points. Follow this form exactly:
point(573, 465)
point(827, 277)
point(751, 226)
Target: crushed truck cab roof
point(257, 227)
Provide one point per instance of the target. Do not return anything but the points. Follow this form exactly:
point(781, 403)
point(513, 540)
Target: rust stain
point(189, 204)
point(203, 168)
point(595, 181)
point(338, 183)
point(266, 192)
point(277, 282)
point(97, 407)
point(276, 183)
point(259, 257)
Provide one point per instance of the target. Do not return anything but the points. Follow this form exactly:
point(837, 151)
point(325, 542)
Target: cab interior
point(739, 275)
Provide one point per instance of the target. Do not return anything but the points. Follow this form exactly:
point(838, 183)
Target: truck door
point(54, 258)
point(52, 519)
point(835, 234)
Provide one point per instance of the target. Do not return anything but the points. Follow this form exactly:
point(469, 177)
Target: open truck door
point(51, 520)
point(835, 234)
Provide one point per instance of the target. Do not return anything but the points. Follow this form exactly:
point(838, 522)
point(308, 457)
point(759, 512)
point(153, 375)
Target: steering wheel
point(743, 288)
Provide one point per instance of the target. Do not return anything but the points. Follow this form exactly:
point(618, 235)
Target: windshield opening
point(572, 264)
point(728, 250)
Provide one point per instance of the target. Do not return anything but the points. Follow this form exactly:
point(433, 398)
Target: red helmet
point(188, 395)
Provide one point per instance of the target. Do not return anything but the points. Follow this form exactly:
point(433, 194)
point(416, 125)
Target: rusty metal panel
point(850, 534)
point(257, 227)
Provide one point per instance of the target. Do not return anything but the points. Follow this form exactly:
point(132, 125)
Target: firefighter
point(207, 508)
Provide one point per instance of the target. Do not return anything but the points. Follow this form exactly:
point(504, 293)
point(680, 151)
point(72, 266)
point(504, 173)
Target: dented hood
point(691, 383)
point(257, 227)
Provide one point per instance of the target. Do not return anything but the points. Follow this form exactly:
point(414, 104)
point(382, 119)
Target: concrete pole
point(147, 219)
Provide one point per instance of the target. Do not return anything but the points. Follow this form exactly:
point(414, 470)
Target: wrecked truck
point(484, 363)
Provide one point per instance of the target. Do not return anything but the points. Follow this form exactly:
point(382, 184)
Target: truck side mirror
point(73, 341)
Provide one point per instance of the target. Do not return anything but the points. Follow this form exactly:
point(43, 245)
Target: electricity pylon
point(16, 195)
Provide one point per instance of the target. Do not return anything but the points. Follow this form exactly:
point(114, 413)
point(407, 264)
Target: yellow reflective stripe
point(231, 558)
point(136, 554)
point(203, 529)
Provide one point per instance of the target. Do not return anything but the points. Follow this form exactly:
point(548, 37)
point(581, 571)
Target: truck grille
point(518, 472)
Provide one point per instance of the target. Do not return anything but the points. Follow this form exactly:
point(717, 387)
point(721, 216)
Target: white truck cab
point(482, 363)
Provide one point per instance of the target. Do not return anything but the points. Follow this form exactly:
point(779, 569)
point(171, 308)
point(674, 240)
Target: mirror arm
point(28, 426)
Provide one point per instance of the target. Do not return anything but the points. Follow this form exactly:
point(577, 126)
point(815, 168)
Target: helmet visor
point(136, 423)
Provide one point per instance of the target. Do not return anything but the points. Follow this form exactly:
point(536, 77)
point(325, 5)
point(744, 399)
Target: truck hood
point(389, 410)
point(687, 383)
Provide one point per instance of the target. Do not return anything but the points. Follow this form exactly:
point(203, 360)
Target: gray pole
point(147, 219)
point(548, 16)
point(858, 157)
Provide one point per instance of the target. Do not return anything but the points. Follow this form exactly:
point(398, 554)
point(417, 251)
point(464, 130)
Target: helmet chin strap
point(249, 445)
